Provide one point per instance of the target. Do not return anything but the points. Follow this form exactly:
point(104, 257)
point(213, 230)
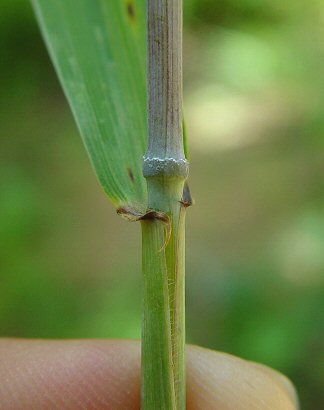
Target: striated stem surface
point(163, 230)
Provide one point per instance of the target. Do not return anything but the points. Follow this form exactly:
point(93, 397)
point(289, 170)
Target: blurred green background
point(254, 103)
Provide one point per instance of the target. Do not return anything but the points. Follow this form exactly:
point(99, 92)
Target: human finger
point(105, 374)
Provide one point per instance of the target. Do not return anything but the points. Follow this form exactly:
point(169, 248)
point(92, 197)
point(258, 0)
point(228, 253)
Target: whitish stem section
point(164, 80)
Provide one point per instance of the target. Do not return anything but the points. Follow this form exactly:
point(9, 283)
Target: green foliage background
point(254, 101)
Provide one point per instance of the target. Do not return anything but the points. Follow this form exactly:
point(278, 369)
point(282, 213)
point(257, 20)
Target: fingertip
point(221, 381)
point(281, 379)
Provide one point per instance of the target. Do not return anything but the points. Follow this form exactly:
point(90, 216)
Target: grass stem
point(163, 231)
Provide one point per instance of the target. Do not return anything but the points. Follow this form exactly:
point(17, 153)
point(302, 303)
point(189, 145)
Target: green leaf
point(98, 48)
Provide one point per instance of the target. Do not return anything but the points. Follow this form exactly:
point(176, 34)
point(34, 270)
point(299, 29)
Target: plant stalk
point(163, 229)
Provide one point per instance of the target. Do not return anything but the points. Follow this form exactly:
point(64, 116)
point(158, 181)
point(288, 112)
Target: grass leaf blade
point(98, 48)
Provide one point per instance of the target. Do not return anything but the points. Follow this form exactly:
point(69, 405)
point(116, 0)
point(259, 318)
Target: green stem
point(163, 355)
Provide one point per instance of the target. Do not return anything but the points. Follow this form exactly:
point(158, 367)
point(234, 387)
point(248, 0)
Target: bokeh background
point(254, 103)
